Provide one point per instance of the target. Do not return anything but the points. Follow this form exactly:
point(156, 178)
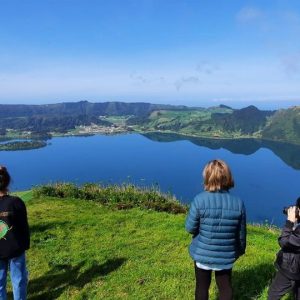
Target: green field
point(84, 118)
point(192, 122)
point(83, 250)
point(117, 120)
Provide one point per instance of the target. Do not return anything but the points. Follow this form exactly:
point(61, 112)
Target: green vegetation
point(22, 145)
point(62, 117)
point(284, 126)
point(11, 134)
point(214, 122)
point(114, 117)
point(85, 250)
point(116, 120)
point(185, 122)
point(118, 196)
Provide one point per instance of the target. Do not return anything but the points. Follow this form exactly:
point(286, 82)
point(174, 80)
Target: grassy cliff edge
point(90, 250)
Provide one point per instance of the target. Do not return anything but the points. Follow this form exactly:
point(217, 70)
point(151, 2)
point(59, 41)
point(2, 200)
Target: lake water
point(266, 174)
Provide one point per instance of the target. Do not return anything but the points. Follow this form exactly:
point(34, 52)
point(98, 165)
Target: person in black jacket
point(14, 240)
point(288, 259)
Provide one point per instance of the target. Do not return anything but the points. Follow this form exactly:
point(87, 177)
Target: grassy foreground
point(84, 250)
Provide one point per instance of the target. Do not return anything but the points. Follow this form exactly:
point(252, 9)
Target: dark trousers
point(203, 280)
point(281, 285)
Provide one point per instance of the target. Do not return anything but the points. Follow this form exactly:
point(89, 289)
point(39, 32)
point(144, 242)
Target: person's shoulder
point(236, 200)
point(235, 197)
point(201, 196)
point(15, 201)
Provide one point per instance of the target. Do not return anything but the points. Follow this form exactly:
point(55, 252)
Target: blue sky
point(163, 51)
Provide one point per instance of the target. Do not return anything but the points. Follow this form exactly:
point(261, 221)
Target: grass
point(117, 120)
point(193, 122)
point(85, 250)
point(119, 196)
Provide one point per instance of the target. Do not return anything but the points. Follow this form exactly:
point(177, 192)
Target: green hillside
point(284, 126)
point(87, 250)
point(221, 121)
point(85, 118)
point(188, 122)
point(61, 117)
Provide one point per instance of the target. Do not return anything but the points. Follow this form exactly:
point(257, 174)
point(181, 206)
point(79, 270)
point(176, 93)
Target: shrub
point(123, 196)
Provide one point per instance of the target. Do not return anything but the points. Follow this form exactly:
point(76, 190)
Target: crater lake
point(266, 174)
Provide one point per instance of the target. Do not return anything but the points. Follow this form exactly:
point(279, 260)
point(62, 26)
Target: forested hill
point(82, 108)
point(284, 125)
point(109, 117)
point(62, 117)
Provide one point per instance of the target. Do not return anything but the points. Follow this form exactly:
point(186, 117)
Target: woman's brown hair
point(4, 179)
point(217, 176)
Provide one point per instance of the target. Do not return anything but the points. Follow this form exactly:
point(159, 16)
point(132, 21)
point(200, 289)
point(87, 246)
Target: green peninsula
point(22, 145)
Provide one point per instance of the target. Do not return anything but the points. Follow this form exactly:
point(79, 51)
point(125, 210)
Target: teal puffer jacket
point(217, 221)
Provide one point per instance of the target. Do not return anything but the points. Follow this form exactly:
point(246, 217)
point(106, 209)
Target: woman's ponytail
point(4, 179)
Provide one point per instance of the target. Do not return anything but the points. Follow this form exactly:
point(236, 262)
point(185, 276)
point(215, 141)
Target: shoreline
point(5, 140)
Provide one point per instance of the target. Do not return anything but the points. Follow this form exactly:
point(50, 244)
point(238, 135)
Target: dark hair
point(4, 179)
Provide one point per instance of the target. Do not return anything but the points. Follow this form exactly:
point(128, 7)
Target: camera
point(285, 209)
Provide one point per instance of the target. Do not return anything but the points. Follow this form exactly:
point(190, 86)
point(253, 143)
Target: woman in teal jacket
point(217, 221)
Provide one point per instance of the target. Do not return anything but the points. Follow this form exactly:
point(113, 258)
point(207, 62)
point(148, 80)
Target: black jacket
point(14, 231)
point(288, 258)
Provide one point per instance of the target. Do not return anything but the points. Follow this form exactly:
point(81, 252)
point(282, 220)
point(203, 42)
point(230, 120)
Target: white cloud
point(249, 14)
point(291, 64)
point(207, 67)
point(179, 83)
point(139, 79)
point(236, 79)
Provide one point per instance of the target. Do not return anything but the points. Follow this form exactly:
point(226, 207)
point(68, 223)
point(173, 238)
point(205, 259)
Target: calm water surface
point(264, 180)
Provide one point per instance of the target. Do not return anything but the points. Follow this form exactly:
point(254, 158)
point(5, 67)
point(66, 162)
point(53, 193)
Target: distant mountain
point(221, 121)
point(224, 106)
point(247, 120)
point(216, 122)
point(62, 117)
point(284, 126)
point(82, 108)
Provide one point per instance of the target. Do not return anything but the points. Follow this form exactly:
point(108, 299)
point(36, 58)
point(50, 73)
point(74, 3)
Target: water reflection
point(289, 153)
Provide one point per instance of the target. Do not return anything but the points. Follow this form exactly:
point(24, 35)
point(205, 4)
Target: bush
point(123, 196)
point(60, 190)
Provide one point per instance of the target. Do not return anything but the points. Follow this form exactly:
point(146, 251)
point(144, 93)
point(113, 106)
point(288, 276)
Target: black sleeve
point(289, 238)
point(22, 222)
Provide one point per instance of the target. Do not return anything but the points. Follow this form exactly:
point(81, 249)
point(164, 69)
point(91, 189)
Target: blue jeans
point(18, 275)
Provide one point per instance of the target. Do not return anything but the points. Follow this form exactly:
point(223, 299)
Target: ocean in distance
point(266, 174)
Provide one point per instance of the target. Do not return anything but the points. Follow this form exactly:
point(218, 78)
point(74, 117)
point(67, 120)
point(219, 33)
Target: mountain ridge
point(214, 122)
